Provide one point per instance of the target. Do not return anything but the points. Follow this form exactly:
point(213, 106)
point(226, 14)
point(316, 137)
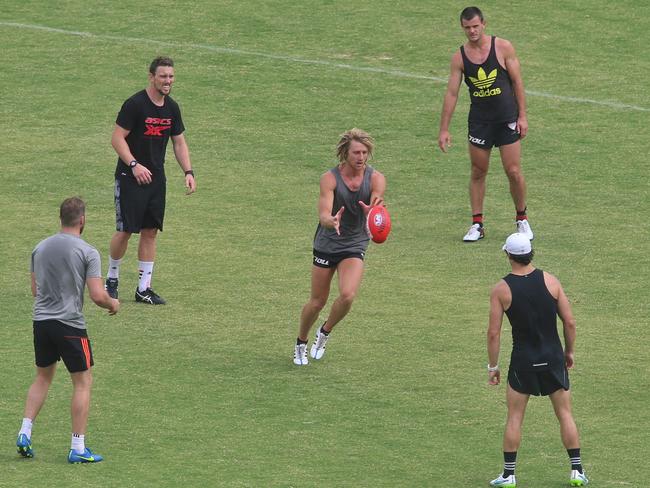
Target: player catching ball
point(347, 192)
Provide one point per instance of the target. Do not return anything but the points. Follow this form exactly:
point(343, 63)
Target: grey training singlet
point(353, 238)
point(61, 264)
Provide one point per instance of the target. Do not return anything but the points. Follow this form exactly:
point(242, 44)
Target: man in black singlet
point(143, 128)
point(532, 299)
point(497, 115)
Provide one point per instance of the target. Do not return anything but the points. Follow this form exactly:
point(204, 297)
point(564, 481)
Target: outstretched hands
point(373, 203)
point(336, 221)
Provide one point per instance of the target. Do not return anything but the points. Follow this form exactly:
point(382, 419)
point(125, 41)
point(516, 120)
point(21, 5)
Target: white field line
point(291, 59)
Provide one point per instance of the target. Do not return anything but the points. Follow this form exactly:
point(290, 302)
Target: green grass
point(203, 391)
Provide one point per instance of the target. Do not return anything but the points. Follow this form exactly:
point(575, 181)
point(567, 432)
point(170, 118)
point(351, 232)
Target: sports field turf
point(203, 391)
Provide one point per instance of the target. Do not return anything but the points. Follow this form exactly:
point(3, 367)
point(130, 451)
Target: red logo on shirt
point(157, 121)
point(155, 130)
point(155, 126)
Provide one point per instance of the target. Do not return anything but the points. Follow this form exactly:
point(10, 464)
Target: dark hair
point(71, 211)
point(522, 258)
point(469, 13)
point(160, 61)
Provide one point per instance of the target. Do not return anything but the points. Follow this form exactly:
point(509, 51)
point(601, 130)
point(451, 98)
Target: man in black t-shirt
point(532, 299)
point(497, 116)
point(143, 128)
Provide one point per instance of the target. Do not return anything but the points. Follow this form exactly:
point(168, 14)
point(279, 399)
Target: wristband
point(492, 369)
point(189, 172)
point(133, 163)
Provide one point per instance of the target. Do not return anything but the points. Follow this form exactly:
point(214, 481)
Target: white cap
point(517, 244)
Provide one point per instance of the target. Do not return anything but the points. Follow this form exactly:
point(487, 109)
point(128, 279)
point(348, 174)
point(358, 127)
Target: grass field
point(203, 390)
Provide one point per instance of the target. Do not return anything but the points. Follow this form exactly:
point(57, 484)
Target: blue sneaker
point(24, 445)
point(87, 457)
point(577, 478)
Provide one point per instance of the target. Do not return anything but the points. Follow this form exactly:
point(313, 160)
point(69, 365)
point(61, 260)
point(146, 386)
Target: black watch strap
point(132, 164)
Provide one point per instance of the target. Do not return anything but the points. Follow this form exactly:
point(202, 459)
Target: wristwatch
point(132, 164)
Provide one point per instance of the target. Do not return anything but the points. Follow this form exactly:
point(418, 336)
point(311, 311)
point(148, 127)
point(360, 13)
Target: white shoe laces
point(301, 352)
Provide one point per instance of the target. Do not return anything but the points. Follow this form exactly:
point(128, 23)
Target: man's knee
point(478, 173)
point(347, 297)
point(148, 233)
point(82, 380)
point(318, 303)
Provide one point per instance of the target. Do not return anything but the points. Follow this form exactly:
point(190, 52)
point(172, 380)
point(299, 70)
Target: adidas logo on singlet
point(484, 82)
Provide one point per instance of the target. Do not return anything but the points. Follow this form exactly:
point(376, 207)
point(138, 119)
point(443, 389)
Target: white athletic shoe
point(508, 482)
point(300, 355)
point(523, 227)
point(474, 233)
point(578, 478)
point(318, 347)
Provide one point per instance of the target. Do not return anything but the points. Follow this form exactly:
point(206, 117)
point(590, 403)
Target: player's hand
point(377, 200)
point(522, 126)
point(114, 306)
point(569, 360)
point(374, 203)
point(494, 377)
point(190, 184)
point(444, 140)
point(336, 221)
point(142, 174)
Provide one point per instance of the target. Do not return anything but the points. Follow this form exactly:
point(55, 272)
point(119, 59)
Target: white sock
point(145, 270)
point(77, 444)
point(26, 428)
point(113, 268)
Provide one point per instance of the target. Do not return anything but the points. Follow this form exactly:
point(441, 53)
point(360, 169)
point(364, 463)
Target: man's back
point(61, 264)
point(532, 314)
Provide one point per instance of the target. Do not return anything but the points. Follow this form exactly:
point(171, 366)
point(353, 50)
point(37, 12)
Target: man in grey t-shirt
point(61, 266)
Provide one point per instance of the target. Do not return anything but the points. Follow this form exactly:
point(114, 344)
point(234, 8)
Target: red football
point(378, 224)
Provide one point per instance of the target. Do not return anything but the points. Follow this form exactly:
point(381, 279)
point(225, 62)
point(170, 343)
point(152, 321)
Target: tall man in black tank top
point(532, 299)
point(497, 116)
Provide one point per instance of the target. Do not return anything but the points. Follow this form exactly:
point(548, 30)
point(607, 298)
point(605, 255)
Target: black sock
point(298, 341)
point(509, 463)
point(574, 456)
point(323, 331)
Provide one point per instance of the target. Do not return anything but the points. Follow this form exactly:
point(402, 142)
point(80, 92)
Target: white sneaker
point(577, 478)
point(474, 233)
point(523, 227)
point(508, 482)
point(300, 355)
point(318, 347)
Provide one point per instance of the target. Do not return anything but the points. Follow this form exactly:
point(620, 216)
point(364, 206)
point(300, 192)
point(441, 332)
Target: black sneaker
point(111, 287)
point(148, 296)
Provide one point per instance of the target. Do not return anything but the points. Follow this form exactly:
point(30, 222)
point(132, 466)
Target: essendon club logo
point(155, 126)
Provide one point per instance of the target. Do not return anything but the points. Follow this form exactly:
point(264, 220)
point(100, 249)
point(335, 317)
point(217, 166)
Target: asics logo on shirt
point(155, 126)
point(155, 130)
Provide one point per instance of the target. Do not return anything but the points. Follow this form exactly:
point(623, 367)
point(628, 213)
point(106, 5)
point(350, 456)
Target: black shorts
point(54, 340)
point(487, 135)
point(139, 206)
point(324, 260)
point(539, 382)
